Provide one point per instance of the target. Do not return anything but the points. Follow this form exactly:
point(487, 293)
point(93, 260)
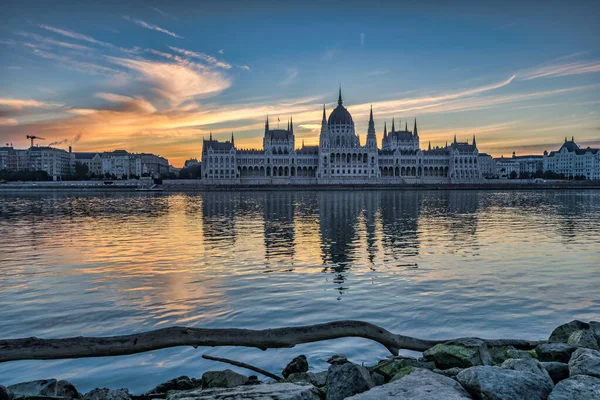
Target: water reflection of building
point(219, 212)
point(399, 224)
point(279, 227)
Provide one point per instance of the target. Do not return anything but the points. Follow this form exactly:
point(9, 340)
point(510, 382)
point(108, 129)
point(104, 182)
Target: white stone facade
point(339, 158)
point(572, 161)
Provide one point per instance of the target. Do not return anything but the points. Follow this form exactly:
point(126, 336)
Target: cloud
point(362, 39)
point(161, 12)
point(292, 74)
point(8, 42)
point(176, 82)
point(221, 51)
point(152, 27)
point(18, 104)
point(75, 35)
point(128, 104)
point(244, 67)
point(8, 122)
point(53, 42)
point(79, 66)
point(202, 56)
point(565, 69)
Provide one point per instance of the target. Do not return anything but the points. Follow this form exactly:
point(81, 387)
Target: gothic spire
point(324, 118)
point(385, 129)
point(267, 123)
point(393, 129)
point(455, 138)
point(429, 145)
point(415, 128)
point(406, 126)
point(340, 102)
point(210, 137)
point(474, 142)
point(291, 125)
point(232, 140)
point(371, 116)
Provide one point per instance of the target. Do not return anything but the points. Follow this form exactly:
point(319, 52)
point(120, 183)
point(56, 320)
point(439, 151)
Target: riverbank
point(566, 366)
point(191, 185)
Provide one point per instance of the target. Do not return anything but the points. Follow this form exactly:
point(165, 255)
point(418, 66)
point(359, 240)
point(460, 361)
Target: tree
point(81, 171)
point(513, 175)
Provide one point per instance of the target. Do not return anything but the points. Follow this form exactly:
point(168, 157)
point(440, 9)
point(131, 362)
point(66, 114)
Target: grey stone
point(450, 373)
point(390, 369)
point(107, 394)
point(420, 384)
point(583, 338)
point(533, 366)
point(585, 362)
point(344, 380)
point(560, 352)
point(5, 394)
point(298, 364)
point(222, 379)
point(578, 387)
point(595, 325)
point(45, 388)
point(496, 383)
point(253, 380)
point(263, 391)
point(557, 370)
point(562, 333)
point(461, 353)
point(314, 378)
point(377, 378)
point(181, 383)
point(337, 359)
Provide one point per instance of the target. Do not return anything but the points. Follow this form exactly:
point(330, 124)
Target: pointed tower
point(232, 140)
point(291, 126)
point(455, 138)
point(267, 124)
point(474, 142)
point(323, 137)
point(371, 135)
point(429, 145)
point(340, 102)
point(210, 137)
point(393, 128)
point(406, 126)
point(415, 133)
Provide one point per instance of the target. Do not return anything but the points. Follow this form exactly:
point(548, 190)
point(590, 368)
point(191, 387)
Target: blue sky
point(155, 76)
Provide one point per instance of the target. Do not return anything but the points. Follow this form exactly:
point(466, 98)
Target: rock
point(421, 384)
point(528, 365)
point(496, 383)
point(5, 394)
point(263, 391)
point(181, 383)
point(337, 359)
point(45, 388)
point(298, 364)
point(462, 353)
point(578, 387)
point(500, 354)
point(377, 378)
point(222, 379)
point(314, 378)
point(344, 380)
point(450, 373)
point(584, 362)
point(402, 373)
point(562, 333)
point(107, 394)
point(560, 352)
point(583, 338)
point(557, 371)
point(253, 380)
point(399, 363)
point(595, 325)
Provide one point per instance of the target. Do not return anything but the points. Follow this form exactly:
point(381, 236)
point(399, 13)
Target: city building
point(487, 166)
point(55, 162)
point(340, 158)
point(153, 164)
point(120, 163)
point(573, 162)
point(92, 160)
point(524, 166)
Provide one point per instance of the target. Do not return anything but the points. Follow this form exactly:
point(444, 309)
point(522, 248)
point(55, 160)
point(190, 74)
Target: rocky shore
point(565, 367)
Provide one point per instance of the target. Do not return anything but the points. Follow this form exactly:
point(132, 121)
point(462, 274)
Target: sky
point(159, 76)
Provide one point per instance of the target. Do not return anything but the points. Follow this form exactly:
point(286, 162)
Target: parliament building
point(340, 158)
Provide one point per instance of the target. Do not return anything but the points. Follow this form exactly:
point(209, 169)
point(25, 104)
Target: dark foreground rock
point(298, 364)
point(223, 379)
point(560, 352)
point(562, 333)
point(496, 383)
point(557, 371)
point(264, 391)
point(579, 387)
point(45, 388)
point(420, 384)
point(585, 362)
point(347, 379)
point(462, 353)
point(5, 394)
point(528, 365)
point(108, 394)
point(314, 378)
point(181, 383)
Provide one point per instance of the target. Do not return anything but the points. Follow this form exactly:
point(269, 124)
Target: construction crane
point(34, 137)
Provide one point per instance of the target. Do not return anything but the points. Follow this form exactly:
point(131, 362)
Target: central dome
point(340, 115)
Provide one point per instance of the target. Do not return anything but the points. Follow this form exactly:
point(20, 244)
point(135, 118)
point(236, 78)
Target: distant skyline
point(158, 77)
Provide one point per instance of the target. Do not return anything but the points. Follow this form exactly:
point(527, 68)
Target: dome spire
point(371, 116)
point(324, 117)
point(340, 102)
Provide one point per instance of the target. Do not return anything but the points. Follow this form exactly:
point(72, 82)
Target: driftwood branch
point(79, 347)
point(243, 365)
